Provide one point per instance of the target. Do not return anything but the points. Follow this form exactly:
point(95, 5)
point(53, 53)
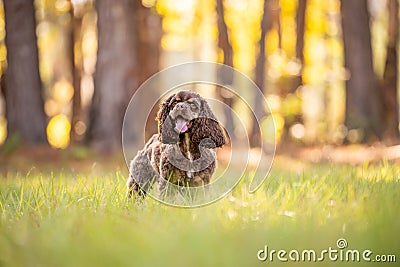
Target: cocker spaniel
point(183, 150)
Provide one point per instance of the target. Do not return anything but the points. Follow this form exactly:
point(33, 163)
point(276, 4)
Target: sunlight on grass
point(69, 219)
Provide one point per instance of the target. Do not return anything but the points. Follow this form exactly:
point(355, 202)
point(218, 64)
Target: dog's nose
point(180, 106)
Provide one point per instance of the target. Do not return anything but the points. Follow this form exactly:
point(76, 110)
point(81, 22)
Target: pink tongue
point(181, 125)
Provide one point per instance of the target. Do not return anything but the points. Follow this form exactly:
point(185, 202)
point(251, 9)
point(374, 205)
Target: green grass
point(84, 219)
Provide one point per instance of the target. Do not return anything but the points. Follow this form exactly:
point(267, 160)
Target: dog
point(183, 150)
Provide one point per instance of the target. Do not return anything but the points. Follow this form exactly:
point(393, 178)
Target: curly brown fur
point(183, 150)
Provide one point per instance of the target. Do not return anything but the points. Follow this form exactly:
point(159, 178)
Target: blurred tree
point(255, 135)
point(363, 104)
point(226, 48)
point(149, 33)
point(223, 37)
point(24, 104)
point(115, 77)
point(76, 57)
point(300, 28)
point(390, 115)
point(298, 79)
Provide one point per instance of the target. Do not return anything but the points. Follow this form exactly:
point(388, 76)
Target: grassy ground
point(70, 218)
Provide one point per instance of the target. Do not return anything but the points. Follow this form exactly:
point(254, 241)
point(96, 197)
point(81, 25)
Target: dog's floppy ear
point(207, 126)
point(167, 134)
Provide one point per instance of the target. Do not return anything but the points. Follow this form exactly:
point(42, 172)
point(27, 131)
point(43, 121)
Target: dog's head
point(188, 112)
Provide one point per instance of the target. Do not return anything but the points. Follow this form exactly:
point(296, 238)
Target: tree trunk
point(363, 104)
point(115, 78)
point(76, 57)
point(390, 115)
point(24, 104)
point(227, 78)
point(255, 134)
point(149, 33)
point(300, 29)
point(298, 79)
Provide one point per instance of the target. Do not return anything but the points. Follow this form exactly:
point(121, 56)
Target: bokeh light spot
point(3, 129)
point(63, 91)
point(58, 131)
